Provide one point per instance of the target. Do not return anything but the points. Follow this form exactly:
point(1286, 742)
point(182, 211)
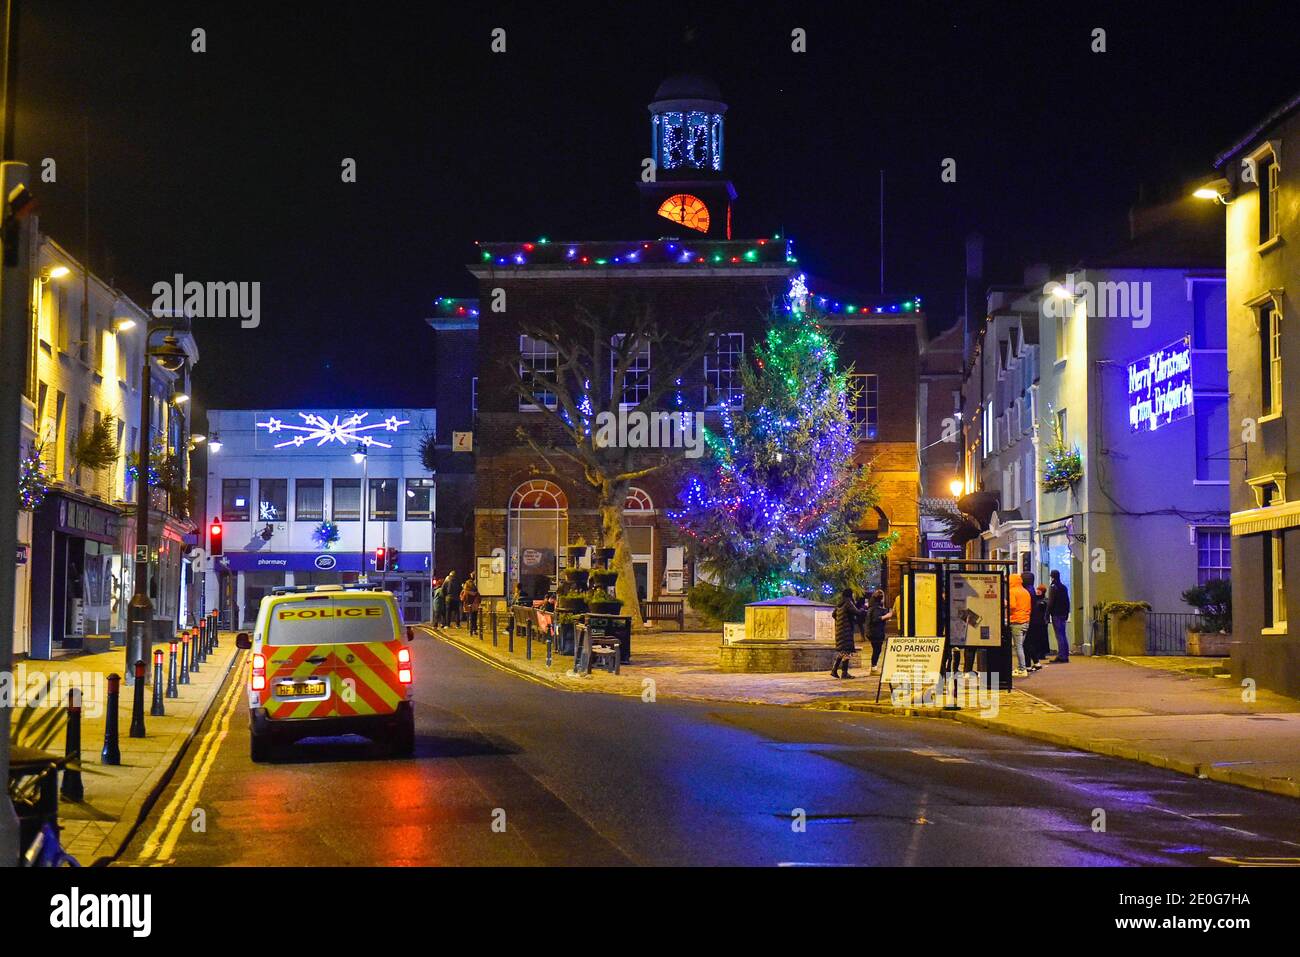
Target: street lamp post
point(139, 616)
point(361, 457)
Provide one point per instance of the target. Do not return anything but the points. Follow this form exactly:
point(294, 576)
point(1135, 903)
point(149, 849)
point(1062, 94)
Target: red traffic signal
point(214, 538)
point(381, 559)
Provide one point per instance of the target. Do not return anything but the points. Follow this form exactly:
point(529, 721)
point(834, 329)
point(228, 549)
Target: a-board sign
point(975, 609)
point(914, 662)
point(491, 575)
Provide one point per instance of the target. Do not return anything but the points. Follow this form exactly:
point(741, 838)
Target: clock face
point(687, 210)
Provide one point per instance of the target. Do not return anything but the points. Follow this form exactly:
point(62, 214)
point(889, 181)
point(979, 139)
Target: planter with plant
point(1062, 464)
point(600, 602)
point(1211, 635)
point(1128, 626)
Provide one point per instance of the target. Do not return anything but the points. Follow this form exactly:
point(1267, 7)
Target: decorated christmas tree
point(775, 507)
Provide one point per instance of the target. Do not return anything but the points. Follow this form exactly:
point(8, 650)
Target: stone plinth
point(766, 657)
point(782, 634)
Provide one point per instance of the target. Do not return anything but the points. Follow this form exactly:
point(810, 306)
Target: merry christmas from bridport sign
point(1160, 387)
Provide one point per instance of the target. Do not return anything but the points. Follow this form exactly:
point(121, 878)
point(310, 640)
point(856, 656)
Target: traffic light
point(392, 559)
point(214, 538)
point(381, 559)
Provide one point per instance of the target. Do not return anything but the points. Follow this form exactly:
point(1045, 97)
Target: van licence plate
point(300, 689)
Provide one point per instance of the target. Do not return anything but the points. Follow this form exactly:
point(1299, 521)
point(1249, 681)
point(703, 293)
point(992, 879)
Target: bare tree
point(596, 357)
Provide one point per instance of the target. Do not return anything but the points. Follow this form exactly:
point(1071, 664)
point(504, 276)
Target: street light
point(123, 324)
point(58, 272)
point(215, 444)
point(172, 358)
point(956, 486)
point(362, 458)
point(1215, 189)
point(180, 398)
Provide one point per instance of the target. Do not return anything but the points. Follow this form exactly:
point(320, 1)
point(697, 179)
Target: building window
point(537, 358)
point(347, 500)
point(636, 380)
point(309, 500)
point(1061, 329)
point(1270, 339)
point(722, 371)
point(419, 499)
point(1275, 579)
point(383, 499)
point(235, 494)
point(473, 396)
point(1213, 554)
point(1266, 170)
point(1062, 426)
point(272, 500)
point(1209, 314)
point(1211, 415)
point(864, 405)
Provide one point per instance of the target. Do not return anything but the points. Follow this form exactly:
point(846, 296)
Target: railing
point(1167, 631)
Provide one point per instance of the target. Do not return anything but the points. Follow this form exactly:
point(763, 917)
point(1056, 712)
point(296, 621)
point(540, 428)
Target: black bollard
point(185, 658)
point(549, 642)
point(528, 643)
point(194, 649)
point(72, 788)
point(204, 642)
point(492, 614)
point(137, 702)
point(111, 754)
point(216, 633)
point(172, 691)
point(510, 638)
point(156, 709)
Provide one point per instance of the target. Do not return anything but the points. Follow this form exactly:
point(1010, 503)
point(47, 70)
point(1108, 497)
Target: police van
point(329, 661)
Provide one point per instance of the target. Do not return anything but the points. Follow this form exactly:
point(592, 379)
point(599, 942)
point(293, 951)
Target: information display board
point(975, 609)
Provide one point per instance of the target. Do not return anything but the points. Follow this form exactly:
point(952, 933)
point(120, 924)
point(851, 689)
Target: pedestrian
point(439, 602)
point(1021, 603)
point(470, 601)
point(1036, 646)
point(847, 616)
point(453, 599)
point(876, 618)
point(1058, 610)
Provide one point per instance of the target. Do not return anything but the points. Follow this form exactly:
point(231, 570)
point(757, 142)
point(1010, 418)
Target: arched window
point(537, 529)
point(638, 500)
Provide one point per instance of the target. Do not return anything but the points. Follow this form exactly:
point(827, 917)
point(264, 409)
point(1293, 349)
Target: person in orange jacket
point(1022, 604)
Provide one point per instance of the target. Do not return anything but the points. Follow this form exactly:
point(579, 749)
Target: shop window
point(235, 494)
point(347, 500)
point(309, 502)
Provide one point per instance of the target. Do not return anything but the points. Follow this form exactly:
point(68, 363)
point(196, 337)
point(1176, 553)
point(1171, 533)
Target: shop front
point(245, 578)
point(75, 570)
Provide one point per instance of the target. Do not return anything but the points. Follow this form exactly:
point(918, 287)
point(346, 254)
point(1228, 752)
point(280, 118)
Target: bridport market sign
point(1160, 387)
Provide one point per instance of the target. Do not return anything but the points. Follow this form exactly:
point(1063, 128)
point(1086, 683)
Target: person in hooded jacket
point(1036, 647)
point(1020, 602)
point(847, 617)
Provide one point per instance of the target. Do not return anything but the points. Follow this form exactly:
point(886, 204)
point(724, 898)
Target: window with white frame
point(722, 371)
point(864, 404)
point(537, 358)
point(1062, 327)
point(1267, 175)
point(1275, 577)
point(1270, 339)
point(636, 380)
point(1213, 554)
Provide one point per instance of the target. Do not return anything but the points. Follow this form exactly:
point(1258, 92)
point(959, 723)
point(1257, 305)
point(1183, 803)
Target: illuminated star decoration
point(321, 430)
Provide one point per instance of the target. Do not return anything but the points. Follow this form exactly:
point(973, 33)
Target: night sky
point(225, 165)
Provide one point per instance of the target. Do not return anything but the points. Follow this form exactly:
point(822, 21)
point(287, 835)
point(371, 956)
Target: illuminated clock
point(687, 210)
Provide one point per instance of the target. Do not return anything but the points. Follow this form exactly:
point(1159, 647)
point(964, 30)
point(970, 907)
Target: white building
point(84, 367)
point(277, 479)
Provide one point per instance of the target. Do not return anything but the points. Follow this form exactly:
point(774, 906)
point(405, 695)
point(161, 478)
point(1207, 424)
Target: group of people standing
point(1032, 608)
point(452, 605)
point(865, 616)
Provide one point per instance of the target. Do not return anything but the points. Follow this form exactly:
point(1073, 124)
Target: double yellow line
point(486, 658)
point(171, 823)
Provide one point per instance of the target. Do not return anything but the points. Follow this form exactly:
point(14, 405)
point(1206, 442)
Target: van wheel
point(260, 747)
point(404, 736)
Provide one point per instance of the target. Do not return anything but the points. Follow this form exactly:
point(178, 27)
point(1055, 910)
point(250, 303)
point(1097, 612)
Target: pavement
point(1180, 713)
point(522, 773)
point(117, 797)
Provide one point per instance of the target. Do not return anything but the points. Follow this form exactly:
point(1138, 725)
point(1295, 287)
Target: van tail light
point(258, 682)
point(404, 665)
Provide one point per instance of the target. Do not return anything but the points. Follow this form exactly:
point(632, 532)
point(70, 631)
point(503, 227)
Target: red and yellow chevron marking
point(369, 680)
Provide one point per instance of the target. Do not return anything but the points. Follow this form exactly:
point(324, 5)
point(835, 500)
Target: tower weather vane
point(321, 430)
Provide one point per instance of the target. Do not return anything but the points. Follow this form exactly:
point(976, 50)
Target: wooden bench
point(665, 611)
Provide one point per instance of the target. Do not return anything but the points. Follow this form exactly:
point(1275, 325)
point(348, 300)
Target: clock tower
point(691, 194)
